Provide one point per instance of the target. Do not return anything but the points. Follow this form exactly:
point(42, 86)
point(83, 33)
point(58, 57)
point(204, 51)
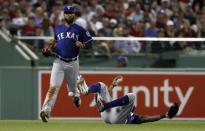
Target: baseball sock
point(94, 88)
point(118, 102)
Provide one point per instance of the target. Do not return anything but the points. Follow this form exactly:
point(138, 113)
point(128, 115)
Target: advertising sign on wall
point(155, 92)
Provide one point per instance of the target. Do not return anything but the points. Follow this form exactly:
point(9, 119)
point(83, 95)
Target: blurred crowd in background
point(111, 18)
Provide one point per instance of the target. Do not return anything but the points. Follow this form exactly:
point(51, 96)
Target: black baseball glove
point(173, 110)
point(48, 50)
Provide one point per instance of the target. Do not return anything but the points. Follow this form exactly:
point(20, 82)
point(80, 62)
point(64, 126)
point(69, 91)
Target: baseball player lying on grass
point(121, 110)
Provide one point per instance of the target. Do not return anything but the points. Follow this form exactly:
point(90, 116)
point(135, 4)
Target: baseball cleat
point(173, 110)
point(77, 101)
point(117, 80)
point(82, 85)
point(44, 116)
point(99, 103)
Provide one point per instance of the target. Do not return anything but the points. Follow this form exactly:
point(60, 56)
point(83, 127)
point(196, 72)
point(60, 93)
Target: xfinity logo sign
point(152, 94)
point(155, 92)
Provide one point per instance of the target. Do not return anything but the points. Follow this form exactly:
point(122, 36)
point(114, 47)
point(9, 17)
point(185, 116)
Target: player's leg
point(82, 85)
point(97, 87)
point(56, 79)
point(122, 101)
point(105, 102)
point(71, 73)
point(124, 109)
point(84, 89)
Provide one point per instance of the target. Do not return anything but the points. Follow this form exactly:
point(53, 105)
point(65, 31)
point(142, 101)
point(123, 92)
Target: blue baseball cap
point(69, 9)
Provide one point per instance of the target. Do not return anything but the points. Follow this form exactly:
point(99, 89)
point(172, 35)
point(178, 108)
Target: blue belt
point(66, 59)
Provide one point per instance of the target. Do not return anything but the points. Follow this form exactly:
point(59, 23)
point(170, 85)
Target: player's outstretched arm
point(136, 119)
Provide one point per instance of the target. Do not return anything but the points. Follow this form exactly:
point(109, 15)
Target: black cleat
point(173, 110)
point(77, 101)
point(44, 116)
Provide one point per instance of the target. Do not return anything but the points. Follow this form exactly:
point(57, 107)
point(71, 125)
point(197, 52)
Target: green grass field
point(83, 125)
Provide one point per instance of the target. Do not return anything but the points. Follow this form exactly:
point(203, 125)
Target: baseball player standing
point(69, 38)
point(119, 111)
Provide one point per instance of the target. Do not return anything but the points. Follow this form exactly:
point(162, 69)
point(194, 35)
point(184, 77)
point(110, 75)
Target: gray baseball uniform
point(116, 115)
point(61, 70)
point(69, 38)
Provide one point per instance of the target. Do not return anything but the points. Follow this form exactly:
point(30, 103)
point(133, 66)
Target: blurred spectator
point(203, 32)
point(106, 30)
point(126, 47)
point(3, 26)
point(113, 24)
point(183, 4)
point(137, 30)
point(170, 30)
point(165, 5)
point(129, 9)
point(79, 20)
point(162, 19)
point(121, 61)
point(29, 28)
point(137, 15)
point(38, 18)
point(55, 16)
point(198, 5)
point(190, 14)
point(157, 46)
point(105, 47)
point(95, 24)
point(46, 28)
point(110, 10)
point(151, 30)
point(96, 6)
point(29, 10)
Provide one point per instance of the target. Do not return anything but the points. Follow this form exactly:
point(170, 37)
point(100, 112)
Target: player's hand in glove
point(173, 110)
point(48, 49)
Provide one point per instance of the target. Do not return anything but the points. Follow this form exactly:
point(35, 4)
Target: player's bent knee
point(131, 97)
point(102, 85)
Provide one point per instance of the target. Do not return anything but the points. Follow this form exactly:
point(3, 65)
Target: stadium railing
point(149, 52)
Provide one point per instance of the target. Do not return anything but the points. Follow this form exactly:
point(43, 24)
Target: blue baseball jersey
point(66, 38)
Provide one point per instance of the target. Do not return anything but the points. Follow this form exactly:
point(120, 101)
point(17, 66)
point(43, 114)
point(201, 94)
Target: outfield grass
point(76, 125)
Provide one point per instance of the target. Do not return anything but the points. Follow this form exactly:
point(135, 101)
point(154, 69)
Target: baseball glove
point(173, 110)
point(48, 50)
